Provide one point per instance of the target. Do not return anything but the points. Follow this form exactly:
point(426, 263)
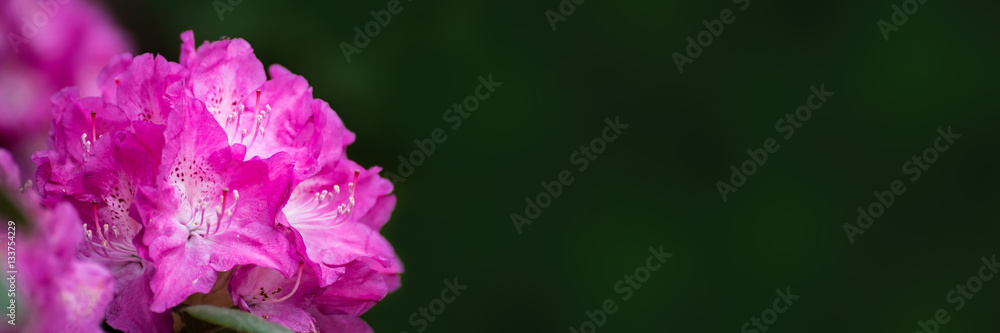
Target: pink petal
point(226, 75)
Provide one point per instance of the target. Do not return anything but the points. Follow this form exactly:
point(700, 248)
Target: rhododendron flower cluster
point(186, 174)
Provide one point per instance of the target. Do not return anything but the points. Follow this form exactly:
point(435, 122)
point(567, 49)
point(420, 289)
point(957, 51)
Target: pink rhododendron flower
point(210, 210)
point(54, 290)
point(266, 293)
point(300, 303)
point(180, 171)
point(101, 179)
point(47, 45)
point(338, 212)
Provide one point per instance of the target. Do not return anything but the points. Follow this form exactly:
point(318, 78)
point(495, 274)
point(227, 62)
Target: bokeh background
point(655, 185)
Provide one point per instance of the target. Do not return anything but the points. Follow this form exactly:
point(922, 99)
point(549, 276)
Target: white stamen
point(86, 144)
point(268, 107)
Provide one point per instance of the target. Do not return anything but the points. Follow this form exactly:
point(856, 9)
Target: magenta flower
point(184, 170)
point(55, 291)
point(210, 210)
point(117, 168)
point(338, 212)
point(301, 304)
point(47, 45)
point(101, 179)
point(231, 81)
point(267, 294)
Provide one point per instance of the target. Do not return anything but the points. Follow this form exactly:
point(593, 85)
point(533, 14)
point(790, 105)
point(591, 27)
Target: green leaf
point(236, 320)
point(10, 211)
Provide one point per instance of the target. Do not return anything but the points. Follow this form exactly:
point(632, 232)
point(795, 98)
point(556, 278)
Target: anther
point(26, 186)
point(86, 144)
point(238, 117)
point(268, 107)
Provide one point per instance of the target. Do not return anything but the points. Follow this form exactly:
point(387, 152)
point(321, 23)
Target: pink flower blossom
point(338, 212)
point(101, 178)
point(210, 210)
point(180, 171)
point(55, 292)
point(48, 45)
point(267, 294)
point(301, 304)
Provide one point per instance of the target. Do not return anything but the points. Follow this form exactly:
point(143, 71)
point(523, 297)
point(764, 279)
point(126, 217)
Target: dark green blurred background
point(656, 183)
